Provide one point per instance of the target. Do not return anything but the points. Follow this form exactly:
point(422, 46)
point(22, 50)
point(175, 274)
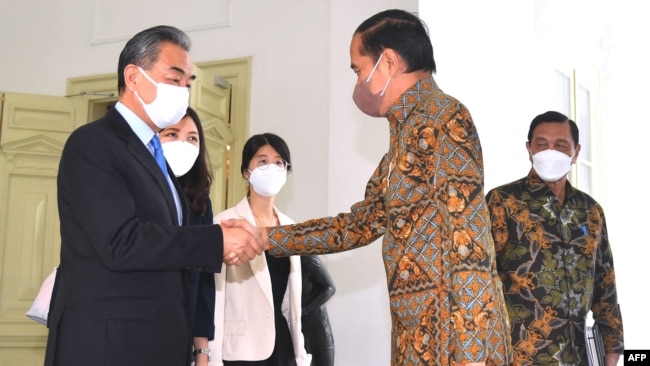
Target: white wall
point(484, 57)
point(497, 58)
point(625, 145)
point(487, 55)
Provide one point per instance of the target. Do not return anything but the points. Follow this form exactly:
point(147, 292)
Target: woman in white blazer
point(258, 304)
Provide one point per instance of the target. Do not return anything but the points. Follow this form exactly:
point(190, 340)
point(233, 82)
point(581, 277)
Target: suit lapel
point(141, 153)
point(258, 264)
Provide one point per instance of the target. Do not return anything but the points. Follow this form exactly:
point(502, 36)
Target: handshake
point(242, 241)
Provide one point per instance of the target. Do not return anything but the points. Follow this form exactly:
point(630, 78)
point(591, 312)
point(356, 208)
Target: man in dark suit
point(122, 297)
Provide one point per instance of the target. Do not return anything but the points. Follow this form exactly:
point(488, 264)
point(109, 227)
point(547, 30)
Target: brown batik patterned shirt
point(556, 265)
point(426, 198)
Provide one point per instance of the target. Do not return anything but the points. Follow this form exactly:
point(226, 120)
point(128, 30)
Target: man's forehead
point(175, 58)
point(552, 128)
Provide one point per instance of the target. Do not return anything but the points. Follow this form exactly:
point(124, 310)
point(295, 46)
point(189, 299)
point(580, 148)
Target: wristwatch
point(206, 351)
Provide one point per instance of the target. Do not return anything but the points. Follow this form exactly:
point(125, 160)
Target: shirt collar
point(538, 188)
point(407, 102)
point(139, 127)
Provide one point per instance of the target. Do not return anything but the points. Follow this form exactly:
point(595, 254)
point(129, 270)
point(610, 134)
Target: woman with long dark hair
point(186, 153)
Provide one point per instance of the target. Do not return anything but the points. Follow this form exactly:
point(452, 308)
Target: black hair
point(197, 181)
point(255, 142)
point(556, 117)
point(401, 31)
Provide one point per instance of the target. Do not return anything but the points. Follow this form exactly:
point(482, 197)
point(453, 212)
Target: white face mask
point(551, 165)
point(170, 104)
point(268, 182)
point(180, 156)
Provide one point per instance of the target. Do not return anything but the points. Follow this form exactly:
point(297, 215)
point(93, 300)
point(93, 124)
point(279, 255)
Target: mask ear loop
point(375, 68)
point(372, 73)
point(147, 76)
point(385, 86)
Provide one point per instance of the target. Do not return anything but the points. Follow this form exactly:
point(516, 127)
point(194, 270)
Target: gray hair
point(144, 49)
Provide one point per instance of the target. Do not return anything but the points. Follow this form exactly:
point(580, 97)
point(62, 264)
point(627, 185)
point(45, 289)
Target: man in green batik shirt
point(553, 254)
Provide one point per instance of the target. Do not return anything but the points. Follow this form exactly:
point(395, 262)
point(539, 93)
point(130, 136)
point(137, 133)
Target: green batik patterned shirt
point(556, 264)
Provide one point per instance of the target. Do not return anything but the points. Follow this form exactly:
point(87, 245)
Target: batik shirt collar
point(406, 103)
point(538, 188)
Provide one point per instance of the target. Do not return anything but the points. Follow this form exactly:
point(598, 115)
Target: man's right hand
point(242, 241)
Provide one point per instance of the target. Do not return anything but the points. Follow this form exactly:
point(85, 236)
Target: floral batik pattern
point(426, 198)
point(556, 264)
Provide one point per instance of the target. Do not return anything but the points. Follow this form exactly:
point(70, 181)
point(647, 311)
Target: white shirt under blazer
point(244, 314)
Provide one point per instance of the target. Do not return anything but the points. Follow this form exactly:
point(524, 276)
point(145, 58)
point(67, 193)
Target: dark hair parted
point(196, 182)
point(401, 31)
point(555, 117)
point(255, 142)
point(144, 49)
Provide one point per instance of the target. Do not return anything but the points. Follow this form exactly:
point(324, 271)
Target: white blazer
point(244, 317)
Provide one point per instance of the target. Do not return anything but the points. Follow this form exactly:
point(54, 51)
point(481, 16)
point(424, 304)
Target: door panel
point(212, 103)
point(34, 129)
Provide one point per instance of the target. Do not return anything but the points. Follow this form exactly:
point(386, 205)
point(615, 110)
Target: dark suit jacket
point(122, 299)
point(202, 287)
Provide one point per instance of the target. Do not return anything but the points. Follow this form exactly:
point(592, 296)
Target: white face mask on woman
point(170, 104)
point(552, 165)
point(269, 181)
point(180, 156)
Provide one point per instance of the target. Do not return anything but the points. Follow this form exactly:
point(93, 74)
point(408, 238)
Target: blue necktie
point(160, 159)
point(158, 154)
